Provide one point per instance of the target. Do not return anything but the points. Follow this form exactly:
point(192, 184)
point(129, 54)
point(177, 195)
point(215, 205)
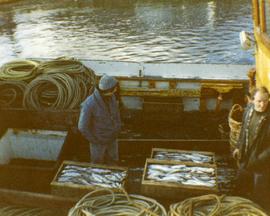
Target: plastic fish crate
point(206, 153)
point(173, 190)
point(32, 144)
point(68, 189)
point(29, 157)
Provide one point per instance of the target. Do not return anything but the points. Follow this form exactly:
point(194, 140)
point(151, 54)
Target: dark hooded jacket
point(255, 158)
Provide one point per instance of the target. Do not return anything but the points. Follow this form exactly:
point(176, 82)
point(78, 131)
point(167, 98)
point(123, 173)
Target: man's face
point(110, 93)
point(260, 101)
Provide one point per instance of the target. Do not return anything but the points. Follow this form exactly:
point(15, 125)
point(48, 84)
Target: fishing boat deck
point(168, 113)
point(134, 152)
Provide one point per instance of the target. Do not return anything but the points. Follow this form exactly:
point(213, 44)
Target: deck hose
point(105, 202)
point(214, 205)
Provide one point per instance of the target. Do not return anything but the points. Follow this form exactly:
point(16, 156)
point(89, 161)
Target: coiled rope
point(11, 93)
point(24, 70)
point(24, 211)
point(105, 202)
point(214, 205)
point(56, 91)
point(63, 83)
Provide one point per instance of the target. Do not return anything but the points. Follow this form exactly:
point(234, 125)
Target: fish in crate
point(182, 174)
point(170, 178)
point(183, 155)
point(84, 177)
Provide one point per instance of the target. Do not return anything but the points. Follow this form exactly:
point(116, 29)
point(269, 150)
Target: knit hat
point(107, 82)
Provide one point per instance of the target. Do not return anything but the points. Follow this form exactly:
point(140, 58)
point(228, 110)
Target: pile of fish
point(182, 174)
point(226, 173)
point(184, 157)
point(226, 179)
point(92, 176)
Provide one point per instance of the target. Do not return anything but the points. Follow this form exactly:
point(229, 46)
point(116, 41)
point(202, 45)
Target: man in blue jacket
point(100, 123)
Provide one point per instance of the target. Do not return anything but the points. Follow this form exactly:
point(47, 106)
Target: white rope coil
point(214, 205)
point(105, 202)
point(24, 211)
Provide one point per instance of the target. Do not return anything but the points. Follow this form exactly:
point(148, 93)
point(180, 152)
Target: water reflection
point(186, 31)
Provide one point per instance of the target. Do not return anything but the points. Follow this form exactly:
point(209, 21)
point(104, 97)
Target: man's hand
point(236, 154)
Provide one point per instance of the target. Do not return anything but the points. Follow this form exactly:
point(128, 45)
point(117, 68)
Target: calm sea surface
point(184, 31)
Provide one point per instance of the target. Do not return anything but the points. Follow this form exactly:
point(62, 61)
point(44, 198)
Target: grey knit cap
point(107, 82)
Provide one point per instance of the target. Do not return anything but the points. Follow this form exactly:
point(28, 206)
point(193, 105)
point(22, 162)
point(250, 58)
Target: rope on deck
point(24, 211)
point(62, 83)
point(14, 76)
point(105, 202)
point(23, 70)
point(214, 205)
point(11, 93)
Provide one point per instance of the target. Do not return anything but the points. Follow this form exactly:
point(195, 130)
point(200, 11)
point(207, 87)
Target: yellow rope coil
point(24, 211)
point(105, 202)
point(62, 84)
point(214, 205)
point(19, 70)
point(11, 93)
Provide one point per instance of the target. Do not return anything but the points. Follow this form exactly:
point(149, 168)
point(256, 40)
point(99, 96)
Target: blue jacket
point(99, 123)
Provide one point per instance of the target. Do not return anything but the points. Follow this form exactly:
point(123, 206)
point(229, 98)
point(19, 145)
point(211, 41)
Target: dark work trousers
point(261, 190)
point(254, 186)
point(244, 183)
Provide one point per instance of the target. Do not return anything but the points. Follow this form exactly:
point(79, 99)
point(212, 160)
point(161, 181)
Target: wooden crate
point(171, 190)
point(156, 150)
point(77, 190)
